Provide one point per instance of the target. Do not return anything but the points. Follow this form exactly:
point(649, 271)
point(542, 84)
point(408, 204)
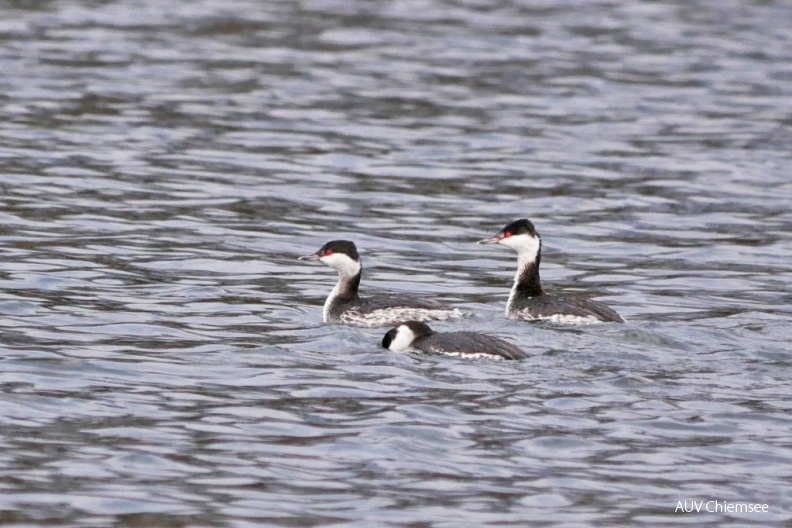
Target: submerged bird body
point(468, 345)
point(345, 305)
point(528, 300)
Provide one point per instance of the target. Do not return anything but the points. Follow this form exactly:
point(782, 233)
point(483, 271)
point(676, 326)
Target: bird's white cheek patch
point(342, 263)
point(403, 340)
point(523, 244)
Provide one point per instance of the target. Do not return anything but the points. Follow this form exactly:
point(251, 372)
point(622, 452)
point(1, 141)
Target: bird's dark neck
point(526, 282)
point(344, 292)
point(347, 287)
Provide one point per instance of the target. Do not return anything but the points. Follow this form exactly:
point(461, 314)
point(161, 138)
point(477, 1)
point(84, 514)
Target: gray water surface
point(163, 164)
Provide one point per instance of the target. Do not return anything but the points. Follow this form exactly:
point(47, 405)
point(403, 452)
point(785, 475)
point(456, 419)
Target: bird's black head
point(389, 337)
point(335, 247)
point(402, 336)
point(520, 227)
point(519, 235)
point(345, 247)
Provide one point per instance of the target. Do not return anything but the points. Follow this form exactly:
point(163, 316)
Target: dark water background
point(162, 165)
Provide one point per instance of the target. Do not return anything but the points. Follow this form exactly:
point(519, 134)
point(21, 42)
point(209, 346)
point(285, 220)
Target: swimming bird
point(345, 305)
point(528, 300)
point(468, 345)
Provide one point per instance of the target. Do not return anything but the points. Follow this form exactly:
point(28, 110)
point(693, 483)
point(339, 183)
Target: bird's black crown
point(521, 227)
point(346, 247)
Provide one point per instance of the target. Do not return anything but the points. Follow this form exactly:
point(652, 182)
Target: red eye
point(507, 234)
point(328, 252)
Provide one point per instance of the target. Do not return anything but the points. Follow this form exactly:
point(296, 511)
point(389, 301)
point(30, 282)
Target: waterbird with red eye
point(345, 305)
point(528, 300)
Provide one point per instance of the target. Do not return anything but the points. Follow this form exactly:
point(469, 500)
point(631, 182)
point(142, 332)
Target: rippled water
point(162, 165)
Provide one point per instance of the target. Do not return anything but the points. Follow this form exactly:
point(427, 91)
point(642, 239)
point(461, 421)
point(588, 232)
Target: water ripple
point(163, 360)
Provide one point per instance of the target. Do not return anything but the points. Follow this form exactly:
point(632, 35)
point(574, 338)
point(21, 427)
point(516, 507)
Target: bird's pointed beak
point(491, 240)
point(314, 256)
